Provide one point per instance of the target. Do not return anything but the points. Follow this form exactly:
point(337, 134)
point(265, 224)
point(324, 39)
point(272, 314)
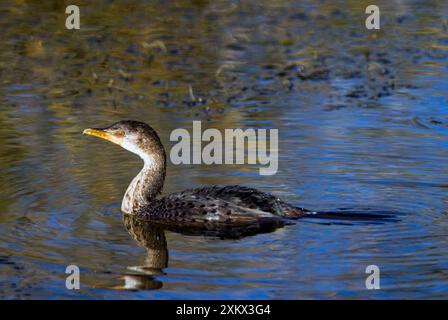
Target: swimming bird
point(222, 209)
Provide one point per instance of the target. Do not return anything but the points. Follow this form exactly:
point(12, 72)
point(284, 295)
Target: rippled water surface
point(363, 127)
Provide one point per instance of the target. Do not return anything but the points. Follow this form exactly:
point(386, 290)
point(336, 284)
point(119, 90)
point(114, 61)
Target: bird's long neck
point(146, 185)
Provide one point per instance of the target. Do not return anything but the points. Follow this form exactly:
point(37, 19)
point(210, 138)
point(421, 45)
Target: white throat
point(136, 150)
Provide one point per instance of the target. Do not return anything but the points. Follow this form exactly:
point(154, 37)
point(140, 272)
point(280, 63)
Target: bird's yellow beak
point(100, 133)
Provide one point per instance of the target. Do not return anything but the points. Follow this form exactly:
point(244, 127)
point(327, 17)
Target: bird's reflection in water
point(152, 238)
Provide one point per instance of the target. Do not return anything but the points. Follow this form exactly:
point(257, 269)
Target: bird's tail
point(353, 216)
point(350, 215)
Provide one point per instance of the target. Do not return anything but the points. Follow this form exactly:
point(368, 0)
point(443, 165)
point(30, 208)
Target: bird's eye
point(117, 132)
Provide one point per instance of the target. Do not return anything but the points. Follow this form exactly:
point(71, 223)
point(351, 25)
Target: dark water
point(363, 125)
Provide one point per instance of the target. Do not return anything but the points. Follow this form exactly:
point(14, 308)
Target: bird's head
point(134, 136)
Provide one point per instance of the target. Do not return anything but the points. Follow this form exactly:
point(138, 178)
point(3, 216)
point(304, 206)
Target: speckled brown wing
point(233, 210)
point(193, 207)
point(191, 213)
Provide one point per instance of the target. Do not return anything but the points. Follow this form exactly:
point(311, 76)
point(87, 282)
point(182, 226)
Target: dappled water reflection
point(362, 122)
